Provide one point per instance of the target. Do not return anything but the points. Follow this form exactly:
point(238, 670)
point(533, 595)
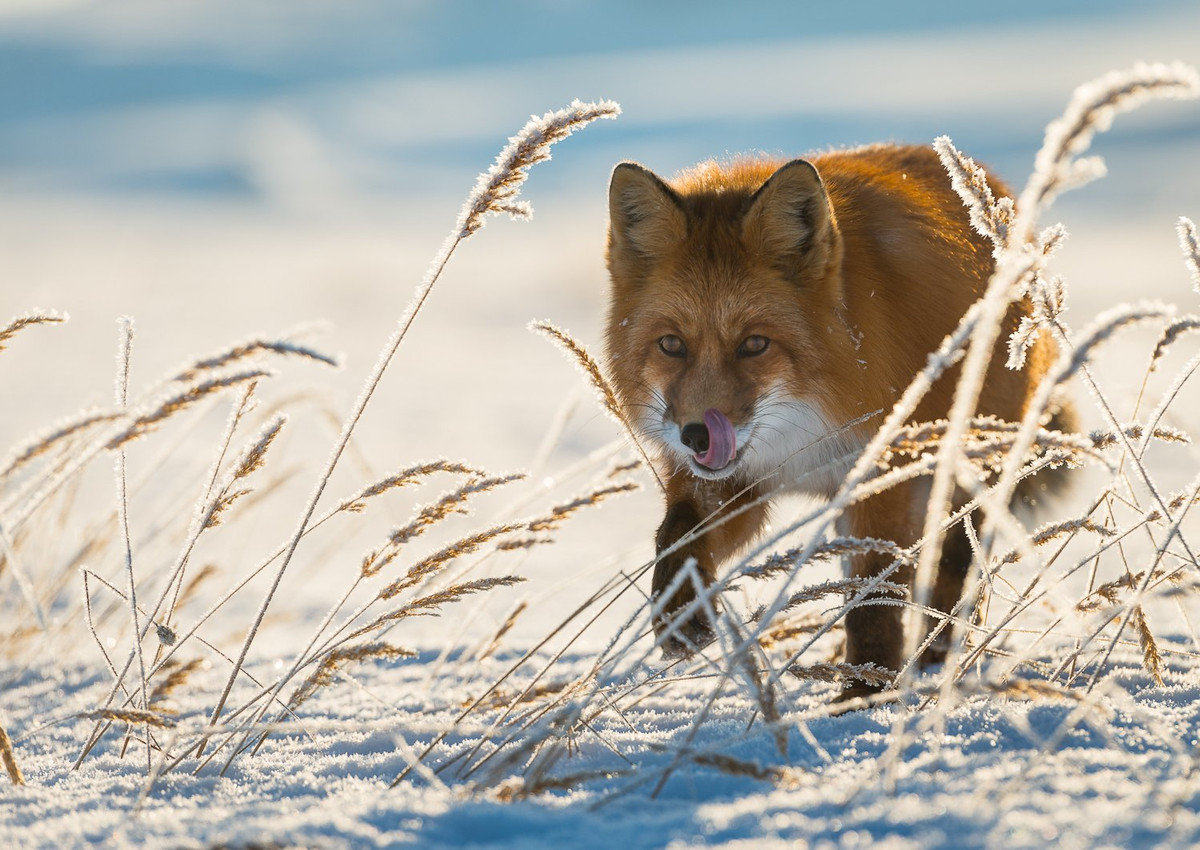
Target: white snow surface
point(991, 772)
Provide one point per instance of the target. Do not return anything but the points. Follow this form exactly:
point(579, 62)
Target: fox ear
point(645, 216)
point(789, 216)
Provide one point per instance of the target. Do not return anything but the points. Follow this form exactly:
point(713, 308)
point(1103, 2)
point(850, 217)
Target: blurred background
point(222, 168)
point(219, 169)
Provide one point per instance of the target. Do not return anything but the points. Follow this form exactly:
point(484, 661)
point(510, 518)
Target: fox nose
point(695, 437)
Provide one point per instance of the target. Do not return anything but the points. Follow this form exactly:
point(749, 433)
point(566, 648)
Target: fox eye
point(752, 346)
point(672, 346)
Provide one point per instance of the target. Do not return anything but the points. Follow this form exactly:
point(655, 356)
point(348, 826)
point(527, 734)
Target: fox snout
point(713, 442)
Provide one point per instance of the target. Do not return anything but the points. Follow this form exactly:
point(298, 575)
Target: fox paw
point(690, 637)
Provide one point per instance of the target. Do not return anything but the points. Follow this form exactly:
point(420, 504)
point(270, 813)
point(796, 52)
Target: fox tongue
point(722, 443)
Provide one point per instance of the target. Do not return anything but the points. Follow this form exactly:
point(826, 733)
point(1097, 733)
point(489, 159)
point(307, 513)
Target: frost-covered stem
point(175, 580)
point(1091, 110)
point(1056, 168)
point(310, 508)
point(122, 400)
point(22, 322)
point(303, 658)
point(1071, 359)
point(1191, 249)
point(87, 610)
point(495, 192)
point(182, 638)
point(1128, 448)
point(1168, 398)
point(611, 585)
point(1026, 599)
point(1135, 599)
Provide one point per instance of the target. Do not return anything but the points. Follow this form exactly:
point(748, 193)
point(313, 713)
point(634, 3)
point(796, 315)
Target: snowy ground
point(998, 772)
point(267, 177)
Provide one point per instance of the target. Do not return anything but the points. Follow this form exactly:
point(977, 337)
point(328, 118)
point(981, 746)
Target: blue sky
point(289, 103)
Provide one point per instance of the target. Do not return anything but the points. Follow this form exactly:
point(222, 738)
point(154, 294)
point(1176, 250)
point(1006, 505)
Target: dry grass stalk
point(560, 513)
point(177, 674)
point(1032, 689)
point(421, 570)
point(1106, 326)
point(181, 401)
point(43, 443)
point(497, 189)
point(1054, 530)
point(1151, 658)
point(595, 376)
point(458, 591)
point(427, 605)
point(255, 457)
point(984, 435)
point(251, 460)
point(453, 502)
point(991, 217)
point(1171, 333)
point(846, 586)
point(774, 774)
point(1191, 250)
point(1178, 500)
point(495, 192)
point(836, 548)
point(1057, 168)
point(326, 671)
point(1091, 110)
point(132, 716)
point(789, 629)
point(246, 350)
point(188, 590)
point(21, 322)
point(762, 685)
point(869, 673)
point(517, 788)
point(10, 561)
point(358, 502)
point(504, 629)
point(1110, 592)
point(121, 387)
point(10, 758)
point(1107, 439)
point(511, 699)
point(585, 361)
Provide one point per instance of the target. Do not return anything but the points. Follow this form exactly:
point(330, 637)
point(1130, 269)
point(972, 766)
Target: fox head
point(725, 288)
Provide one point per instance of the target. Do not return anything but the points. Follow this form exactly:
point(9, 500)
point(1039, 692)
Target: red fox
point(759, 306)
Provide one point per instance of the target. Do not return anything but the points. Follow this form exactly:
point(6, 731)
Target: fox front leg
point(875, 627)
point(706, 525)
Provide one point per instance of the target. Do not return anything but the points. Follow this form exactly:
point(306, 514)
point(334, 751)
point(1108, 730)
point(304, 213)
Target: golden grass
point(21, 322)
point(764, 651)
point(10, 758)
point(327, 670)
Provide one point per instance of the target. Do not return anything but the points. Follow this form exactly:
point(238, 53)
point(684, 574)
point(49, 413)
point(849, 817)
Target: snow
point(296, 179)
point(999, 772)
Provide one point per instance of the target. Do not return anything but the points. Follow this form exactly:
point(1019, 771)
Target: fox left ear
point(646, 218)
point(790, 215)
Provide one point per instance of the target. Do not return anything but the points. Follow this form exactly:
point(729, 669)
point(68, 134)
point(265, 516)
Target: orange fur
point(853, 266)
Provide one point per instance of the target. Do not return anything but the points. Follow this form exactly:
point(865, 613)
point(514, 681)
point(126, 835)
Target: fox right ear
point(644, 215)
